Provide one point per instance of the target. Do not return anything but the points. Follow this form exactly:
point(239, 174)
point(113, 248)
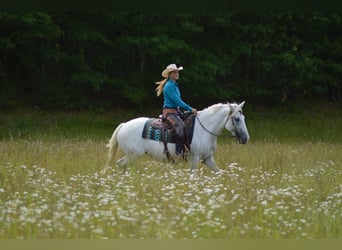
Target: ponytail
point(160, 87)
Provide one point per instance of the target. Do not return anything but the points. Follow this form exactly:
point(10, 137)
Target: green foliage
point(82, 60)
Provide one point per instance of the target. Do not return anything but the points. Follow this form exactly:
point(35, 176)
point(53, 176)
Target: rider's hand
point(194, 111)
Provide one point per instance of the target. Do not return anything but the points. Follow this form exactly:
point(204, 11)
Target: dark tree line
point(77, 60)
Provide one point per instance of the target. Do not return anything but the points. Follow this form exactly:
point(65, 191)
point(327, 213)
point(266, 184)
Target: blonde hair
point(160, 87)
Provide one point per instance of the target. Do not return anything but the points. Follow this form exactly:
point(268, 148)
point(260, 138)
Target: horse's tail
point(113, 144)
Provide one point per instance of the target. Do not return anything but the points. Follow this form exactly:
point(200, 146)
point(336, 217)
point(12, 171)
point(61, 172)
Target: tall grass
point(285, 183)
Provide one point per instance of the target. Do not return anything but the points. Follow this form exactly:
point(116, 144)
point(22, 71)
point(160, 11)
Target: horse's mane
point(216, 106)
point(213, 107)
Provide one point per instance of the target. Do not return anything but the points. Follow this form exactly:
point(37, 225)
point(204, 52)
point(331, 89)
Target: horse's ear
point(241, 104)
point(231, 107)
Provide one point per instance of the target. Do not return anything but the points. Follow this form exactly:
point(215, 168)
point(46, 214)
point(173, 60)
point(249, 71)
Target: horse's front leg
point(211, 163)
point(195, 158)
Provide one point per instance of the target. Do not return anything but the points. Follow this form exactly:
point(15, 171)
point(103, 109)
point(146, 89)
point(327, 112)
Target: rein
point(212, 133)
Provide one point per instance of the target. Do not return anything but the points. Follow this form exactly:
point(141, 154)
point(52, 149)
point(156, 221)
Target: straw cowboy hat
point(170, 68)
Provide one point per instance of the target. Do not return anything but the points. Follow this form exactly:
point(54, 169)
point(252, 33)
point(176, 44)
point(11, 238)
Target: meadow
point(286, 183)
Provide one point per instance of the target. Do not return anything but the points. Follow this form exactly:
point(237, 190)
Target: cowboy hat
point(170, 68)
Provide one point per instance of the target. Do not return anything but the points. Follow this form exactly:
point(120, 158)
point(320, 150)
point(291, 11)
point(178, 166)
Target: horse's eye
point(237, 119)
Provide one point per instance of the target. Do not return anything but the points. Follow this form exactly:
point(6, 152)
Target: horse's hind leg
point(211, 163)
point(122, 163)
point(126, 160)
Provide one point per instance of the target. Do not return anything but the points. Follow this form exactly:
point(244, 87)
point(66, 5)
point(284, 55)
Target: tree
point(77, 60)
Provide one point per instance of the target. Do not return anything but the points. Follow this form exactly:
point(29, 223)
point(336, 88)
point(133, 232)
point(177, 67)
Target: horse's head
point(236, 123)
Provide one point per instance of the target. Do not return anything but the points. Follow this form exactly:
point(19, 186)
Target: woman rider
point(173, 102)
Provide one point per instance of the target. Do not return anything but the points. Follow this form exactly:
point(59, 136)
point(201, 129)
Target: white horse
point(209, 124)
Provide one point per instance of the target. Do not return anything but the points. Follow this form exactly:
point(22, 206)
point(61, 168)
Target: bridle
point(212, 133)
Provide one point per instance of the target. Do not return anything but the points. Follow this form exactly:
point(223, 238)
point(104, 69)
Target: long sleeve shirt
point(172, 96)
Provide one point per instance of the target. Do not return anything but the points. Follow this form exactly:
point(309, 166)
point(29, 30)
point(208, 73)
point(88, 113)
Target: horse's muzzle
point(243, 139)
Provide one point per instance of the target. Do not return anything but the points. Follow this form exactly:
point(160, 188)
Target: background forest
point(98, 61)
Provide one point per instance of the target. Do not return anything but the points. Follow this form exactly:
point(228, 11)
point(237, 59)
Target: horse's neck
point(213, 120)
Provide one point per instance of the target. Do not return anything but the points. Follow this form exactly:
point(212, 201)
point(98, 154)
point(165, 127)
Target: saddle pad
point(152, 132)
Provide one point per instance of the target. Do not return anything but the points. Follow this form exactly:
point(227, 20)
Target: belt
point(169, 108)
point(169, 111)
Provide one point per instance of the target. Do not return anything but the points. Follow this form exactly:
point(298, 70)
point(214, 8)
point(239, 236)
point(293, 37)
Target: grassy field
point(285, 183)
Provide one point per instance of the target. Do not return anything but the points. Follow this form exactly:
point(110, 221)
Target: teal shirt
point(172, 96)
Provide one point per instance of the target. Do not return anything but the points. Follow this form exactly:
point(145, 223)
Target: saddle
point(159, 129)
